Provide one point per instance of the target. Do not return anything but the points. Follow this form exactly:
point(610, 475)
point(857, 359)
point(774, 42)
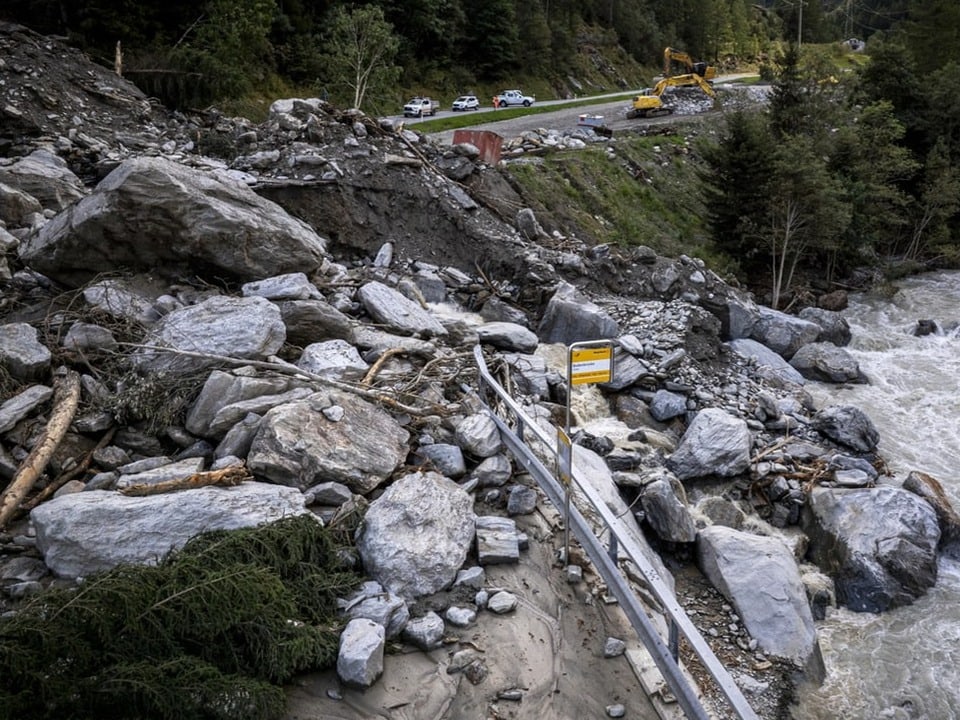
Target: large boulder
point(87, 532)
point(571, 318)
point(879, 544)
point(328, 436)
point(716, 443)
point(416, 536)
point(248, 328)
point(46, 177)
point(783, 333)
point(156, 215)
point(847, 425)
point(825, 362)
point(760, 578)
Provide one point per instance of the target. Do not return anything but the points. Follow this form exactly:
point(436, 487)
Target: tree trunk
point(66, 398)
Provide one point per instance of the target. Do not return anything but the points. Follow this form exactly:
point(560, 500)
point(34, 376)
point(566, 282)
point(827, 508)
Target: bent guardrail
point(665, 655)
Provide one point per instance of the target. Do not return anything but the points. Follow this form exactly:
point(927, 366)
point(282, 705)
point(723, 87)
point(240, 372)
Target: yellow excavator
point(648, 104)
point(670, 56)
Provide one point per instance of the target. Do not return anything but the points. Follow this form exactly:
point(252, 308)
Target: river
point(903, 664)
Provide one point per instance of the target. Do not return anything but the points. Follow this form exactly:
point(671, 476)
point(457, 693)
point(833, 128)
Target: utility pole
point(800, 23)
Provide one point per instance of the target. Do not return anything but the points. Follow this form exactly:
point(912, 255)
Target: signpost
point(587, 362)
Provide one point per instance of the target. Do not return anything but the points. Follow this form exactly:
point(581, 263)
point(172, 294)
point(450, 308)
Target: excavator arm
point(670, 56)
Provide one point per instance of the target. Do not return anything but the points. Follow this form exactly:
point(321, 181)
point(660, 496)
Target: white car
point(466, 102)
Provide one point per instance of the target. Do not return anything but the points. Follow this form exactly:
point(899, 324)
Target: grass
point(644, 193)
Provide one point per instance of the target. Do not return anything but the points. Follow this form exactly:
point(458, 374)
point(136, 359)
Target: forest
point(849, 167)
point(189, 52)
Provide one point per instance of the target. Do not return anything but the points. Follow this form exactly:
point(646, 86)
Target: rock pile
point(300, 319)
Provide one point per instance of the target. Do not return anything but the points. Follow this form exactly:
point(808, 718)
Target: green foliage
point(208, 633)
point(738, 168)
point(640, 196)
point(358, 57)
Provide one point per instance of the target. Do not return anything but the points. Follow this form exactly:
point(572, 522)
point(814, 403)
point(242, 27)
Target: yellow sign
point(591, 365)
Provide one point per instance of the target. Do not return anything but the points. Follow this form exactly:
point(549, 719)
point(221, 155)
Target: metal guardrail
point(664, 654)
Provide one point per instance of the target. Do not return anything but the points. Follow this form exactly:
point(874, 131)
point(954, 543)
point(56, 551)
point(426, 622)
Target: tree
point(734, 185)
point(359, 53)
point(939, 202)
point(807, 210)
point(874, 168)
point(492, 42)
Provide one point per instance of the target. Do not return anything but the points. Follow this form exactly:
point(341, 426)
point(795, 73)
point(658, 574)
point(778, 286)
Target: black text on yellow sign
point(590, 365)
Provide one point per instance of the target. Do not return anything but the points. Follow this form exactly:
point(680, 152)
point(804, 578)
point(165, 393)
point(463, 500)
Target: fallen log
point(66, 398)
point(226, 477)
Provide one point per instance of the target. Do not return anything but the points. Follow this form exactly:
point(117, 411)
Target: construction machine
point(670, 56)
point(648, 103)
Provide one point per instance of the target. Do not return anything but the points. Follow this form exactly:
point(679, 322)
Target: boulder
point(156, 215)
point(825, 362)
point(302, 443)
point(848, 426)
point(716, 443)
point(417, 534)
point(783, 333)
point(360, 657)
point(570, 317)
point(879, 544)
point(83, 533)
point(397, 312)
point(760, 578)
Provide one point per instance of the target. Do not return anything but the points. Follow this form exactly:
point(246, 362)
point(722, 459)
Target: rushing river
point(903, 664)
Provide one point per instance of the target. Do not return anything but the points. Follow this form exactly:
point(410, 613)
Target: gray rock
point(298, 445)
point(716, 443)
point(84, 533)
point(496, 540)
point(570, 317)
point(664, 503)
point(119, 299)
point(782, 333)
point(879, 545)
point(239, 438)
point(425, 632)
point(493, 471)
point(360, 658)
point(159, 216)
point(245, 328)
point(479, 436)
point(768, 363)
point(375, 603)
point(337, 359)
point(760, 578)
point(89, 339)
point(834, 327)
point(46, 178)
point(446, 459)
point(416, 536)
point(666, 405)
point(168, 471)
point(22, 405)
point(508, 336)
point(460, 616)
point(522, 500)
point(390, 308)
point(848, 426)
point(825, 362)
point(503, 602)
point(614, 647)
point(16, 206)
point(22, 354)
point(472, 577)
point(310, 321)
point(291, 286)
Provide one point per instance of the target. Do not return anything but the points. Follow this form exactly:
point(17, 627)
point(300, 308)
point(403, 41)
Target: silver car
point(466, 102)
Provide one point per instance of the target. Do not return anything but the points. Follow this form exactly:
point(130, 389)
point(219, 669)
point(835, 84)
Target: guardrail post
point(674, 640)
point(612, 550)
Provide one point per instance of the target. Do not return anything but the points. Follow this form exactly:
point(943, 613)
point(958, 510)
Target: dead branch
point(66, 477)
point(227, 477)
point(286, 368)
point(66, 398)
point(375, 368)
point(771, 448)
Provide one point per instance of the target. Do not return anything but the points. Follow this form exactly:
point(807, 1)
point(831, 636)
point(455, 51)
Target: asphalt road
point(563, 118)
